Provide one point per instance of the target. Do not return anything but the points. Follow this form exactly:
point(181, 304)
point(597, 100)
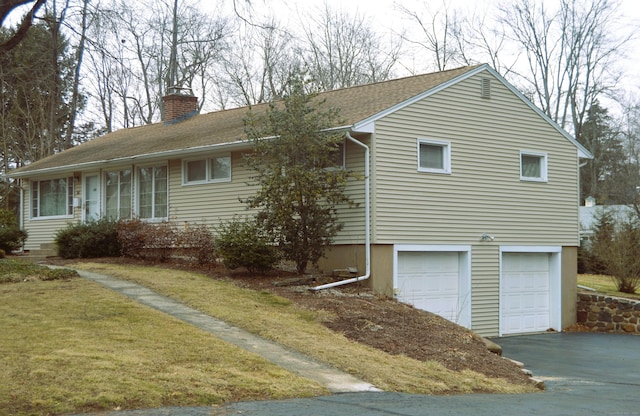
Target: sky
point(385, 15)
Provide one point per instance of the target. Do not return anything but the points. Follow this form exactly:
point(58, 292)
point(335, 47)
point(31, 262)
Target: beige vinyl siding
point(43, 231)
point(353, 217)
point(209, 203)
point(485, 289)
point(484, 192)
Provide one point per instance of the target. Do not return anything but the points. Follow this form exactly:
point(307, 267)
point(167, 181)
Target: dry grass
point(604, 284)
point(277, 319)
point(73, 346)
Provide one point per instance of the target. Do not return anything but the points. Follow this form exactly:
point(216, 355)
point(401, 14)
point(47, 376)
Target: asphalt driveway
point(585, 374)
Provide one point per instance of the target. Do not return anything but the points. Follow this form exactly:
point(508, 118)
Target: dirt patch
point(383, 323)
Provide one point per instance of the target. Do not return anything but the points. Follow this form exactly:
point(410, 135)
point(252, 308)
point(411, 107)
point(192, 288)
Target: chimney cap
point(175, 90)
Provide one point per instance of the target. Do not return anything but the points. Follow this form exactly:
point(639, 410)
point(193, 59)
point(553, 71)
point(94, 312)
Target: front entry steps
point(38, 255)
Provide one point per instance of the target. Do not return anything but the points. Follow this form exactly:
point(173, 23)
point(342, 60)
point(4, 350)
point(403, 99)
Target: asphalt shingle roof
point(219, 127)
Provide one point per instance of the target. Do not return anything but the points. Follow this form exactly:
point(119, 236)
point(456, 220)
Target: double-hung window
point(153, 192)
point(213, 169)
point(52, 197)
point(118, 194)
point(533, 166)
point(434, 156)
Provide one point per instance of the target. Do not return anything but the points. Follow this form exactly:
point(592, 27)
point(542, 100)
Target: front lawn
point(73, 346)
point(604, 284)
point(278, 319)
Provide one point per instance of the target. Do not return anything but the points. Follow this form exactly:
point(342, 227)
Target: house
point(590, 212)
point(472, 193)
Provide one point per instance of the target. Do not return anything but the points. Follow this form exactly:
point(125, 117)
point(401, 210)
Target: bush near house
point(159, 241)
point(614, 251)
point(163, 240)
point(242, 243)
point(196, 243)
point(132, 235)
point(89, 240)
point(11, 236)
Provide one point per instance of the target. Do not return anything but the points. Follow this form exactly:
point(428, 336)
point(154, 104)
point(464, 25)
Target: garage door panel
point(430, 281)
point(525, 293)
point(419, 261)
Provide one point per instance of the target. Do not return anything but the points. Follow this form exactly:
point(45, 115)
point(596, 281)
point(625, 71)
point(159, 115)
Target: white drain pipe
point(367, 225)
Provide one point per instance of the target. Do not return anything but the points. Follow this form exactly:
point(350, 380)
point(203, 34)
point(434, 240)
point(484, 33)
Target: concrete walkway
point(334, 380)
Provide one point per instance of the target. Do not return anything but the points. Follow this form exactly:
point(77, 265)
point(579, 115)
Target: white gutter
point(241, 144)
point(367, 224)
point(230, 146)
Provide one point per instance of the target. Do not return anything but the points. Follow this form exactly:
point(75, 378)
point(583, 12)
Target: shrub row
point(163, 240)
point(239, 243)
point(92, 239)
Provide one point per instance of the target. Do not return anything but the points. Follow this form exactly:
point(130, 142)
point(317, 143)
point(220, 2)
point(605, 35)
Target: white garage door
point(525, 293)
point(431, 281)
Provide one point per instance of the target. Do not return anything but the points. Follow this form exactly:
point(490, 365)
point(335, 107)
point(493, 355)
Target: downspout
point(367, 223)
point(21, 212)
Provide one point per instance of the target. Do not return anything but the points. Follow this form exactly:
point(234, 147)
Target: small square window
point(434, 156)
point(533, 166)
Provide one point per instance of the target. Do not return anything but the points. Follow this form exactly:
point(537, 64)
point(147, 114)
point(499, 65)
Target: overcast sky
point(386, 17)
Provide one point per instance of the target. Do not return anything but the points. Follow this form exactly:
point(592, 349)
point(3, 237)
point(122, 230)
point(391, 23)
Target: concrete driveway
point(585, 374)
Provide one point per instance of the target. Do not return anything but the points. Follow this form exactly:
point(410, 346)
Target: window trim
point(544, 161)
point(208, 169)
point(71, 185)
point(446, 155)
point(138, 193)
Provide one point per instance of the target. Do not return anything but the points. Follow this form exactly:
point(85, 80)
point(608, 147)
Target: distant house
point(472, 193)
point(590, 212)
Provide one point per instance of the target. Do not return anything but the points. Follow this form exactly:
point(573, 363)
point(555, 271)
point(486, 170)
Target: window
point(434, 156)
point(220, 168)
point(196, 171)
point(52, 198)
point(337, 157)
point(153, 192)
point(215, 169)
point(533, 166)
point(118, 194)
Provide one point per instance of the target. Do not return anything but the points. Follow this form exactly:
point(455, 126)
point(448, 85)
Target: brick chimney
point(179, 104)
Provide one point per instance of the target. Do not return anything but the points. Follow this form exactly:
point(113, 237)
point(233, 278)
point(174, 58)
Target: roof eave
point(237, 145)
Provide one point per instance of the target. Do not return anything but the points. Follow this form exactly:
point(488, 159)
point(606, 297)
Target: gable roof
point(359, 107)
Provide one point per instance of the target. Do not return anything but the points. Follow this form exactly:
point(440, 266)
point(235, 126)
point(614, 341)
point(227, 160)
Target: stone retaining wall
point(608, 314)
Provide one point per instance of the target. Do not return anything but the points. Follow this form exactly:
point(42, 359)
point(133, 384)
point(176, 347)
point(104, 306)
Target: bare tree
point(435, 29)
point(627, 191)
point(569, 52)
point(155, 45)
point(479, 39)
point(258, 64)
point(342, 50)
